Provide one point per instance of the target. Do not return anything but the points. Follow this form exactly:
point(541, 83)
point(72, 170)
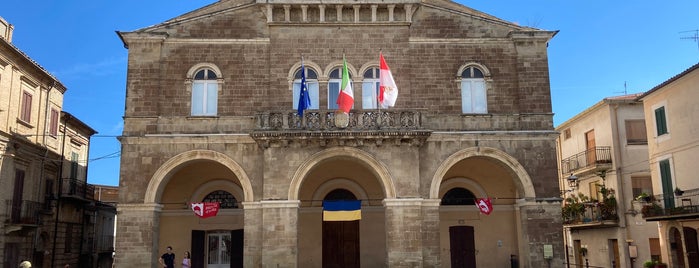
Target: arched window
point(311, 83)
point(340, 194)
point(334, 83)
point(370, 88)
point(474, 99)
point(225, 199)
point(204, 93)
point(458, 196)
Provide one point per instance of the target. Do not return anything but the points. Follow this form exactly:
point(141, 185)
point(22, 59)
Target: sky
point(603, 48)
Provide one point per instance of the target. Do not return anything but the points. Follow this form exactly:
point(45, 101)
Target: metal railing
point(587, 158)
point(77, 189)
point(594, 212)
point(323, 120)
point(676, 204)
point(22, 212)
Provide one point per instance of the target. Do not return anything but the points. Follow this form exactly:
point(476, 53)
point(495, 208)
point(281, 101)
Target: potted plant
point(649, 264)
point(660, 265)
point(643, 197)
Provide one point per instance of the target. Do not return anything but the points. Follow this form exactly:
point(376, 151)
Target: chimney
point(6, 30)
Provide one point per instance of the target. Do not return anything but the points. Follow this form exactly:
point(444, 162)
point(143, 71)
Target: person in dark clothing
point(168, 259)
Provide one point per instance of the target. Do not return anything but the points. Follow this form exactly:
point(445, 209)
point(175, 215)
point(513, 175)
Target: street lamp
point(572, 181)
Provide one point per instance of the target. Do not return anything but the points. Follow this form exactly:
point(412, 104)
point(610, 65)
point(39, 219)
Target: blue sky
point(601, 46)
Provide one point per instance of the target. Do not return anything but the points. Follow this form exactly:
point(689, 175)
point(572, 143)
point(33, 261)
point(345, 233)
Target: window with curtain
point(311, 83)
point(204, 93)
point(370, 88)
point(474, 99)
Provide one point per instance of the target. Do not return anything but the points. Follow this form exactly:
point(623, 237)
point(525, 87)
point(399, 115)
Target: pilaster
point(279, 233)
point(404, 232)
point(252, 253)
point(430, 233)
point(138, 229)
point(541, 225)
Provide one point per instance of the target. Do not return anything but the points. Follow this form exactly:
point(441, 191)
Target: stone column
point(279, 233)
point(403, 232)
point(541, 225)
point(137, 235)
point(252, 253)
point(430, 233)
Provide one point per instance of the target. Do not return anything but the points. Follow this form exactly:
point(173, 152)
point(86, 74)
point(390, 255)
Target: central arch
point(365, 158)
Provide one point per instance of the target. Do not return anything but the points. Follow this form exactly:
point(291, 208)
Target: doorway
point(463, 247)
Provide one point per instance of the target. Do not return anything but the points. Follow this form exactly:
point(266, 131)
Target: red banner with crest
point(206, 209)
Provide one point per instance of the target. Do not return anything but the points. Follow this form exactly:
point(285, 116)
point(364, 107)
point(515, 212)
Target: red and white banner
point(485, 205)
point(205, 210)
point(388, 91)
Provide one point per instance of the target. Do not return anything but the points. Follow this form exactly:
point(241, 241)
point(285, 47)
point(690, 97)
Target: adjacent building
point(603, 169)
point(671, 112)
point(211, 116)
point(47, 210)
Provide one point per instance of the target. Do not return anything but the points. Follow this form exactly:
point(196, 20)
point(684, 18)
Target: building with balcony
point(673, 147)
point(43, 167)
point(211, 116)
point(603, 168)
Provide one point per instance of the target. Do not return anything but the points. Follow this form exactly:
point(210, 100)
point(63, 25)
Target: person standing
point(186, 262)
point(168, 259)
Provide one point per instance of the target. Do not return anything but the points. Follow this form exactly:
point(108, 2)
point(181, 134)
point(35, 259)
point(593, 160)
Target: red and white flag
point(345, 99)
point(388, 91)
point(485, 205)
point(205, 210)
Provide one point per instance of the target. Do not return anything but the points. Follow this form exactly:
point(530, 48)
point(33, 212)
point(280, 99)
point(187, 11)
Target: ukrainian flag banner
point(342, 210)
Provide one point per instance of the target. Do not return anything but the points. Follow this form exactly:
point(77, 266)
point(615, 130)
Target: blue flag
point(304, 99)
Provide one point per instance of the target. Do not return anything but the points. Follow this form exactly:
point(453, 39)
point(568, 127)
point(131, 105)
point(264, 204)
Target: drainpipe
point(619, 173)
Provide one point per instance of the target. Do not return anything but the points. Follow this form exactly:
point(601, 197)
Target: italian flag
point(345, 99)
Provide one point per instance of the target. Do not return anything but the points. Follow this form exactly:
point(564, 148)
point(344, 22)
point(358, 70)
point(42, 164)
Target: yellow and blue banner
point(342, 210)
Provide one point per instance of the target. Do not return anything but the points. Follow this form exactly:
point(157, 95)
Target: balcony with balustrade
point(73, 189)
point(22, 213)
point(590, 161)
point(679, 205)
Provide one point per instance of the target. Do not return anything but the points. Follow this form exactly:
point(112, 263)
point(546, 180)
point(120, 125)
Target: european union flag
point(304, 99)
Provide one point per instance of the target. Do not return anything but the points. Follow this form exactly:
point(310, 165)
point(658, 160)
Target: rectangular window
point(53, 123)
point(312, 94)
point(74, 165)
point(26, 112)
point(660, 121)
point(641, 185)
point(654, 247)
point(333, 93)
point(636, 132)
point(473, 96)
point(666, 182)
point(566, 134)
point(69, 238)
point(204, 98)
point(370, 92)
point(595, 193)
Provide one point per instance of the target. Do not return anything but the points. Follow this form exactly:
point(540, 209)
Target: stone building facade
point(211, 116)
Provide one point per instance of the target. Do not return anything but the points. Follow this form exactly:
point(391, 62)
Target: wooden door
point(614, 245)
point(590, 146)
point(678, 253)
point(340, 244)
point(577, 246)
point(463, 247)
point(237, 248)
point(17, 196)
point(198, 257)
point(691, 247)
